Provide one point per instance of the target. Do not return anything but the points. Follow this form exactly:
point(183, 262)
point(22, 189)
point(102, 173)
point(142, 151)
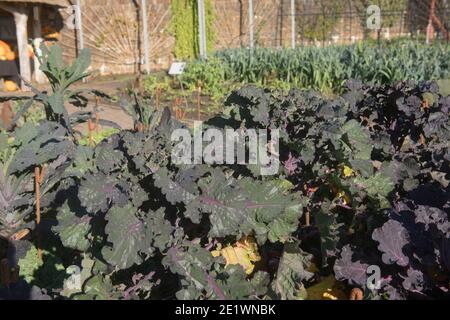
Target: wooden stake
point(90, 129)
point(308, 219)
point(97, 122)
point(37, 179)
point(20, 235)
point(42, 174)
point(158, 96)
point(199, 103)
point(7, 114)
point(179, 113)
point(97, 117)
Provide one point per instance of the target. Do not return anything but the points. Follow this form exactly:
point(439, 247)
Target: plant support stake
point(38, 180)
point(158, 96)
point(91, 128)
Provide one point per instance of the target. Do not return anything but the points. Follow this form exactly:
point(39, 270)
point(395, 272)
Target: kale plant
point(364, 183)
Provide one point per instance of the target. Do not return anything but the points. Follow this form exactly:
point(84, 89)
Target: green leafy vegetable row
point(325, 69)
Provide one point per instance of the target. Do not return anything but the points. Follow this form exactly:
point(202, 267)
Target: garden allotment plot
point(361, 191)
point(253, 169)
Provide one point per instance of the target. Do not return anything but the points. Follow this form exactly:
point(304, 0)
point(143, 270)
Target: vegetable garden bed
point(363, 185)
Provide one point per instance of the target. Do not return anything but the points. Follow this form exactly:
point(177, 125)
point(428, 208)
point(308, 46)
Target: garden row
point(364, 184)
point(324, 69)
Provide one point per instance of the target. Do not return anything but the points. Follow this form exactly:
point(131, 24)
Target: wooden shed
point(27, 16)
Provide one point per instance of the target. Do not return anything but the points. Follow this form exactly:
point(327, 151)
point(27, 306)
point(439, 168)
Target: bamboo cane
point(37, 179)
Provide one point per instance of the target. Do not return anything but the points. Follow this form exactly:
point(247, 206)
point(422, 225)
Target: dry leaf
point(244, 252)
point(327, 289)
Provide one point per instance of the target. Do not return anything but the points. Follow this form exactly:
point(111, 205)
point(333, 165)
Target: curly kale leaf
point(73, 228)
point(202, 277)
point(392, 237)
point(245, 206)
point(98, 191)
point(40, 145)
point(135, 236)
point(292, 273)
point(347, 269)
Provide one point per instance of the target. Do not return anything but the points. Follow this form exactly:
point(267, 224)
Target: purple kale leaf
point(394, 293)
point(291, 164)
point(392, 237)
point(347, 269)
point(415, 281)
point(430, 217)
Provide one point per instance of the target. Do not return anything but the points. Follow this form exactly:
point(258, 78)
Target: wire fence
point(114, 29)
point(315, 22)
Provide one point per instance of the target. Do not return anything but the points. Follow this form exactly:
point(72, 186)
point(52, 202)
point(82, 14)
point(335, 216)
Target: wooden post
point(293, 25)
point(21, 20)
point(250, 25)
point(146, 36)
point(37, 34)
point(79, 24)
point(202, 28)
point(79, 28)
point(90, 133)
point(430, 27)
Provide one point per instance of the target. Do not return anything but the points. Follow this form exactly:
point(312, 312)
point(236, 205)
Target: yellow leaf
point(345, 198)
point(348, 172)
point(244, 252)
point(329, 296)
point(327, 289)
point(216, 253)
